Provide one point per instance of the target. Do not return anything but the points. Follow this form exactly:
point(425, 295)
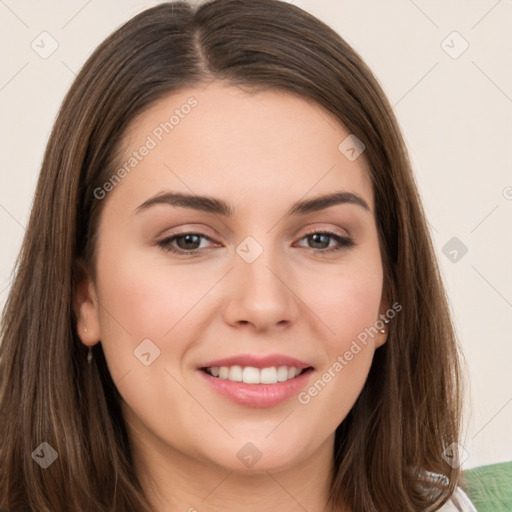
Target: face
point(238, 275)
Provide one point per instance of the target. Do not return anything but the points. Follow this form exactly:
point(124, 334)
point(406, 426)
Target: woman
point(227, 297)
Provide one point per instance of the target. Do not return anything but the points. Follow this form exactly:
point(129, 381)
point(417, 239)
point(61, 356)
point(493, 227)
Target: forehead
point(224, 139)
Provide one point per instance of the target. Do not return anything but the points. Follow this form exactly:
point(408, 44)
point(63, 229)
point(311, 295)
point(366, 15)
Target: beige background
point(456, 115)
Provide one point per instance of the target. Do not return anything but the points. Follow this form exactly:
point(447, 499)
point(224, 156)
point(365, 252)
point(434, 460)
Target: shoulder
point(459, 502)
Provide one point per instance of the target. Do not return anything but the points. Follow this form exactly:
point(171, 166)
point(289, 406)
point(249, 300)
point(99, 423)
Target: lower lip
point(257, 395)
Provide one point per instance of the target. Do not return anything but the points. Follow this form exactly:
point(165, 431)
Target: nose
point(261, 294)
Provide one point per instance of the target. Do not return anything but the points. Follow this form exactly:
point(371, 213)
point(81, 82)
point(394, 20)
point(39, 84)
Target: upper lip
point(258, 361)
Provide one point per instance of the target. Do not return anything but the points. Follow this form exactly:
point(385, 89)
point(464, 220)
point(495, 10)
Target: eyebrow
point(220, 207)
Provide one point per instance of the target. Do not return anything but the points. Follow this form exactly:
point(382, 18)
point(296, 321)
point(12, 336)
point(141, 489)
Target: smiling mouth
point(252, 375)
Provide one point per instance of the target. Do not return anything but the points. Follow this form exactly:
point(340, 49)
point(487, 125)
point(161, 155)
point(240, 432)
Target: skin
point(259, 152)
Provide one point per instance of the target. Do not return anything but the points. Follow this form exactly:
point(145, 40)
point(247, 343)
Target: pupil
point(190, 242)
point(319, 238)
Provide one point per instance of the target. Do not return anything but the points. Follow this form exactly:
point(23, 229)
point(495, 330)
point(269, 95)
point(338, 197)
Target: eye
point(321, 240)
point(184, 243)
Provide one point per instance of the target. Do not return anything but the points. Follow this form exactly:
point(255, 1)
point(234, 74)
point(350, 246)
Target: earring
point(89, 356)
point(383, 330)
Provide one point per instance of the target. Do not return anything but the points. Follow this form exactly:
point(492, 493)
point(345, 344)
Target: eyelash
point(344, 243)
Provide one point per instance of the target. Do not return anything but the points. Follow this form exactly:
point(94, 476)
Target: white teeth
point(235, 373)
point(251, 375)
point(268, 375)
point(282, 373)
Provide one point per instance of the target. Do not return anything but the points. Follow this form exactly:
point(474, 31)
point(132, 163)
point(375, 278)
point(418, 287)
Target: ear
point(86, 306)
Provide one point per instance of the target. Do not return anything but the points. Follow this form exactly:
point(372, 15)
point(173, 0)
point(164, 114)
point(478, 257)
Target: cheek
point(139, 301)
point(348, 301)
point(144, 298)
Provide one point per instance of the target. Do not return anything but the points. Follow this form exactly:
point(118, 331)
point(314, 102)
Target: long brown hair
point(409, 409)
